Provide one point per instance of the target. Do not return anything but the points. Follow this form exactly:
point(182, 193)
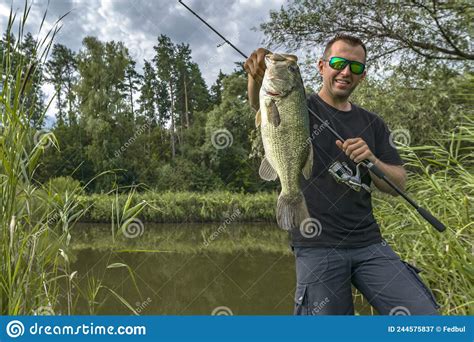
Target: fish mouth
point(272, 93)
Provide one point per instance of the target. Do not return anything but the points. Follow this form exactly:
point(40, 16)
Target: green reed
point(35, 219)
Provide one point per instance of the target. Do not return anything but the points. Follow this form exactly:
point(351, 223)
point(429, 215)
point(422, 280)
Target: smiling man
point(345, 246)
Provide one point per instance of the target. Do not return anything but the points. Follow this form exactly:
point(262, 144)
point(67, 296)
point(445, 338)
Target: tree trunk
point(186, 102)
point(173, 147)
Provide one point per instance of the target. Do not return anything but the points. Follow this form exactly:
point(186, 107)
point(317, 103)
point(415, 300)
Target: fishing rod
point(367, 163)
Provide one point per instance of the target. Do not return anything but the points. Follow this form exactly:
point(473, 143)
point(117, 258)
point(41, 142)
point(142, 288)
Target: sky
point(138, 23)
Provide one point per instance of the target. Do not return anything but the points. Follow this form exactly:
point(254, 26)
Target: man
point(348, 247)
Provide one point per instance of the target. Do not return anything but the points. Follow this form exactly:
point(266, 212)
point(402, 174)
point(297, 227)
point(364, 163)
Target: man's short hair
point(354, 41)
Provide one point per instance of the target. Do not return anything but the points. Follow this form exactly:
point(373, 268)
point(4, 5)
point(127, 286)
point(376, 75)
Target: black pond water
point(175, 280)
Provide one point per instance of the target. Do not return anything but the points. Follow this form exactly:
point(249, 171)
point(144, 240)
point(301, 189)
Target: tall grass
point(29, 255)
point(35, 219)
point(442, 180)
point(172, 207)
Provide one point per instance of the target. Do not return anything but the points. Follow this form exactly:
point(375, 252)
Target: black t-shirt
point(345, 217)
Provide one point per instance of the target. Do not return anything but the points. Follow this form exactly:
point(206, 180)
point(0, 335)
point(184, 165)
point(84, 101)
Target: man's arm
point(396, 173)
point(357, 150)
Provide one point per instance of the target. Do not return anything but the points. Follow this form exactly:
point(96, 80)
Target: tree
point(131, 84)
point(104, 114)
point(432, 30)
point(227, 145)
point(34, 101)
point(165, 67)
point(217, 88)
point(61, 70)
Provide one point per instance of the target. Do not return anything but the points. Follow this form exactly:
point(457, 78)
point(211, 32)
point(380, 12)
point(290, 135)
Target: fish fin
point(266, 171)
point(258, 118)
point(273, 114)
point(291, 211)
point(308, 166)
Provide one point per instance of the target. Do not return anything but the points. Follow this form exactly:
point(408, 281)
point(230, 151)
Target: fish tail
point(291, 211)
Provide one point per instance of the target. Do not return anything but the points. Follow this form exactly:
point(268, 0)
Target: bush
point(188, 206)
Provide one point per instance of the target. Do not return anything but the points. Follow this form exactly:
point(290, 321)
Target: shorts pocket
point(301, 307)
point(415, 270)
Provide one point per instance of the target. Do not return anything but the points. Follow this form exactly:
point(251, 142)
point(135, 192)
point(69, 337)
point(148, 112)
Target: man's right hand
point(255, 64)
point(255, 67)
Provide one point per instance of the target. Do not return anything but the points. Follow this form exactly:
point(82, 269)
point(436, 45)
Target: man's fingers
point(246, 67)
point(357, 152)
point(261, 53)
point(350, 142)
point(351, 148)
point(255, 64)
point(362, 157)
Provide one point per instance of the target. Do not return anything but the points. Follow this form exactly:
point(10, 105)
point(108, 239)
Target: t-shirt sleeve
point(383, 145)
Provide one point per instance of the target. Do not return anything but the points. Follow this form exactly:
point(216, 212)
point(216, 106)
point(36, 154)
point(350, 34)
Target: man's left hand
point(356, 149)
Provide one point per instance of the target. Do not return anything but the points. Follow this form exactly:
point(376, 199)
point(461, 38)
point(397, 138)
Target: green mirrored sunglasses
point(339, 63)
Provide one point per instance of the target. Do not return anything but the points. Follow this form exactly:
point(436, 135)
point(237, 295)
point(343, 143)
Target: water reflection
point(175, 282)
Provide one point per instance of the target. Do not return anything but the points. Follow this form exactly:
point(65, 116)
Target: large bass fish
point(284, 122)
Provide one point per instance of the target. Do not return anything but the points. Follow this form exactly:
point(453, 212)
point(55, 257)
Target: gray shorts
point(391, 285)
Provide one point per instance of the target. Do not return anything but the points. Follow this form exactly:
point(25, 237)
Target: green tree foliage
point(102, 72)
point(34, 100)
point(416, 29)
point(216, 89)
point(165, 66)
point(428, 107)
point(61, 72)
point(147, 99)
point(233, 120)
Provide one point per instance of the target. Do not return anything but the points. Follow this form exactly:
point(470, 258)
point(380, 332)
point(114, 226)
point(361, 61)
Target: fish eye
point(292, 68)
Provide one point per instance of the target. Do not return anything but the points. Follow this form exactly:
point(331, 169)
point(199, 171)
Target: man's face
point(341, 83)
